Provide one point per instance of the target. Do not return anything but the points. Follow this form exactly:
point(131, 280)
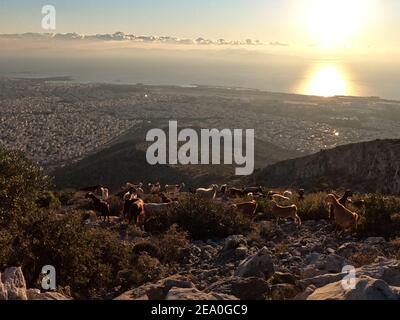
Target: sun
point(334, 22)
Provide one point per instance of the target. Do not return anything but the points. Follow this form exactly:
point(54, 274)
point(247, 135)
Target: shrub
point(47, 199)
point(149, 247)
point(204, 219)
point(379, 218)
point(144, 268)
point(173, 244)
point(312, 207)
point(86, 260)
point(20, 183)
point(64, 197)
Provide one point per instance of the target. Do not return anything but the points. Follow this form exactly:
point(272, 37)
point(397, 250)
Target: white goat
point(156, 208)
point(207, 193)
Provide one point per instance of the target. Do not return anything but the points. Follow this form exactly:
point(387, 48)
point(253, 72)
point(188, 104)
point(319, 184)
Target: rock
point(35, 294)
point(322, 280)
point(284, 291)
point(243, 288)
point(319, 264)
point(386, 270)
point(241, 252)
point(14, 284)
point(375, 240)
point(157, 291)
point(195, 294)
point(334, 263)
point(258, 265)
point(366, 289)
point(232, 242)
point(280, 277)
point(305, 294)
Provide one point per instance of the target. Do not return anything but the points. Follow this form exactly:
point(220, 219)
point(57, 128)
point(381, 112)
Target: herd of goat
point(135, 210)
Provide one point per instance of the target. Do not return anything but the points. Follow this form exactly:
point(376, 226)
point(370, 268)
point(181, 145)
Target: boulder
point(243, 288)
point(366, 289)
point(35, 294)
point(282, 278)
point(258, 265)
point(157, 291)
point(284, 291)
point(319, 264)
point(14, 284)
point(195, 294)
point(232, 242)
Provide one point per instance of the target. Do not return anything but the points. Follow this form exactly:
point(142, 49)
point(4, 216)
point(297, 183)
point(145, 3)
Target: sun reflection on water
point(326, 80)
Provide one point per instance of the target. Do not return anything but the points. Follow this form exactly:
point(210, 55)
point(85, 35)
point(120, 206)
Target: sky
point(297, 22)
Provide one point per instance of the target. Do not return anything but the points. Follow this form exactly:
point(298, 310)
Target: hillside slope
point(366, 167)
point(126, 161)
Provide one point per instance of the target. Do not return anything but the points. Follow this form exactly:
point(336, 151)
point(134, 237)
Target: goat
point(254, 190)
point(359, 204)
point(344, 218)
point(140, 192)
point(277, 197)
point(209, 193)
point(135, 211)
point(155, 208)
point(235, 192)
point(342, 200)
point(285, 212)
point(104, 194)
point(174, 188)
point(247, 208)
point(128, 198)
point(288, 194)
point(155, 188)
point(100, 206)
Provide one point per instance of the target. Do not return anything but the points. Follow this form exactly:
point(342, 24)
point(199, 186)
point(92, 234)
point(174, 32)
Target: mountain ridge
point(372, 166)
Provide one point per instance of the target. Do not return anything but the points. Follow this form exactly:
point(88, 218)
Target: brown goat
point(285, 212)
point(136, 211)
point(247, 208)
point(100, 206)
point(344, 218)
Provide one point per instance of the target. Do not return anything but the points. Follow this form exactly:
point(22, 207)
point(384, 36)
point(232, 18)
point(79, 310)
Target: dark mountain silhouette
point(365, 167)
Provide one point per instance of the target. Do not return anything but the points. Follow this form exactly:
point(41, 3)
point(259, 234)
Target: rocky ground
point(271, 263)
point(281, 263)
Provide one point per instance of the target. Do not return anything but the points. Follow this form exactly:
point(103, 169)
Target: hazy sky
point(289, 21)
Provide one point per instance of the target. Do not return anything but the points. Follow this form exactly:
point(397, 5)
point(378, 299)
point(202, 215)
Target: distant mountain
point(364, 167)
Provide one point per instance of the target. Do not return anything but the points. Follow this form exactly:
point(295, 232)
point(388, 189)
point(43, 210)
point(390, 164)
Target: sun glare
point(334, 22)
point(327, 80)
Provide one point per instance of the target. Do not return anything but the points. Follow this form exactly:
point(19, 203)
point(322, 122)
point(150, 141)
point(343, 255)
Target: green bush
point(204, 219)
point(85, 260)
point(64, 197)
point(380, 216)
point(21, 181)
point(173, 244)
point(47, 199)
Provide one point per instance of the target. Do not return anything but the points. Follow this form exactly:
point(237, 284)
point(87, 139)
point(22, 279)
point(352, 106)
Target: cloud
point(121, 36)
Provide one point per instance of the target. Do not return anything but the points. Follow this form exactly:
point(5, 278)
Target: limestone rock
point(258, 265)
point(366, 289)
